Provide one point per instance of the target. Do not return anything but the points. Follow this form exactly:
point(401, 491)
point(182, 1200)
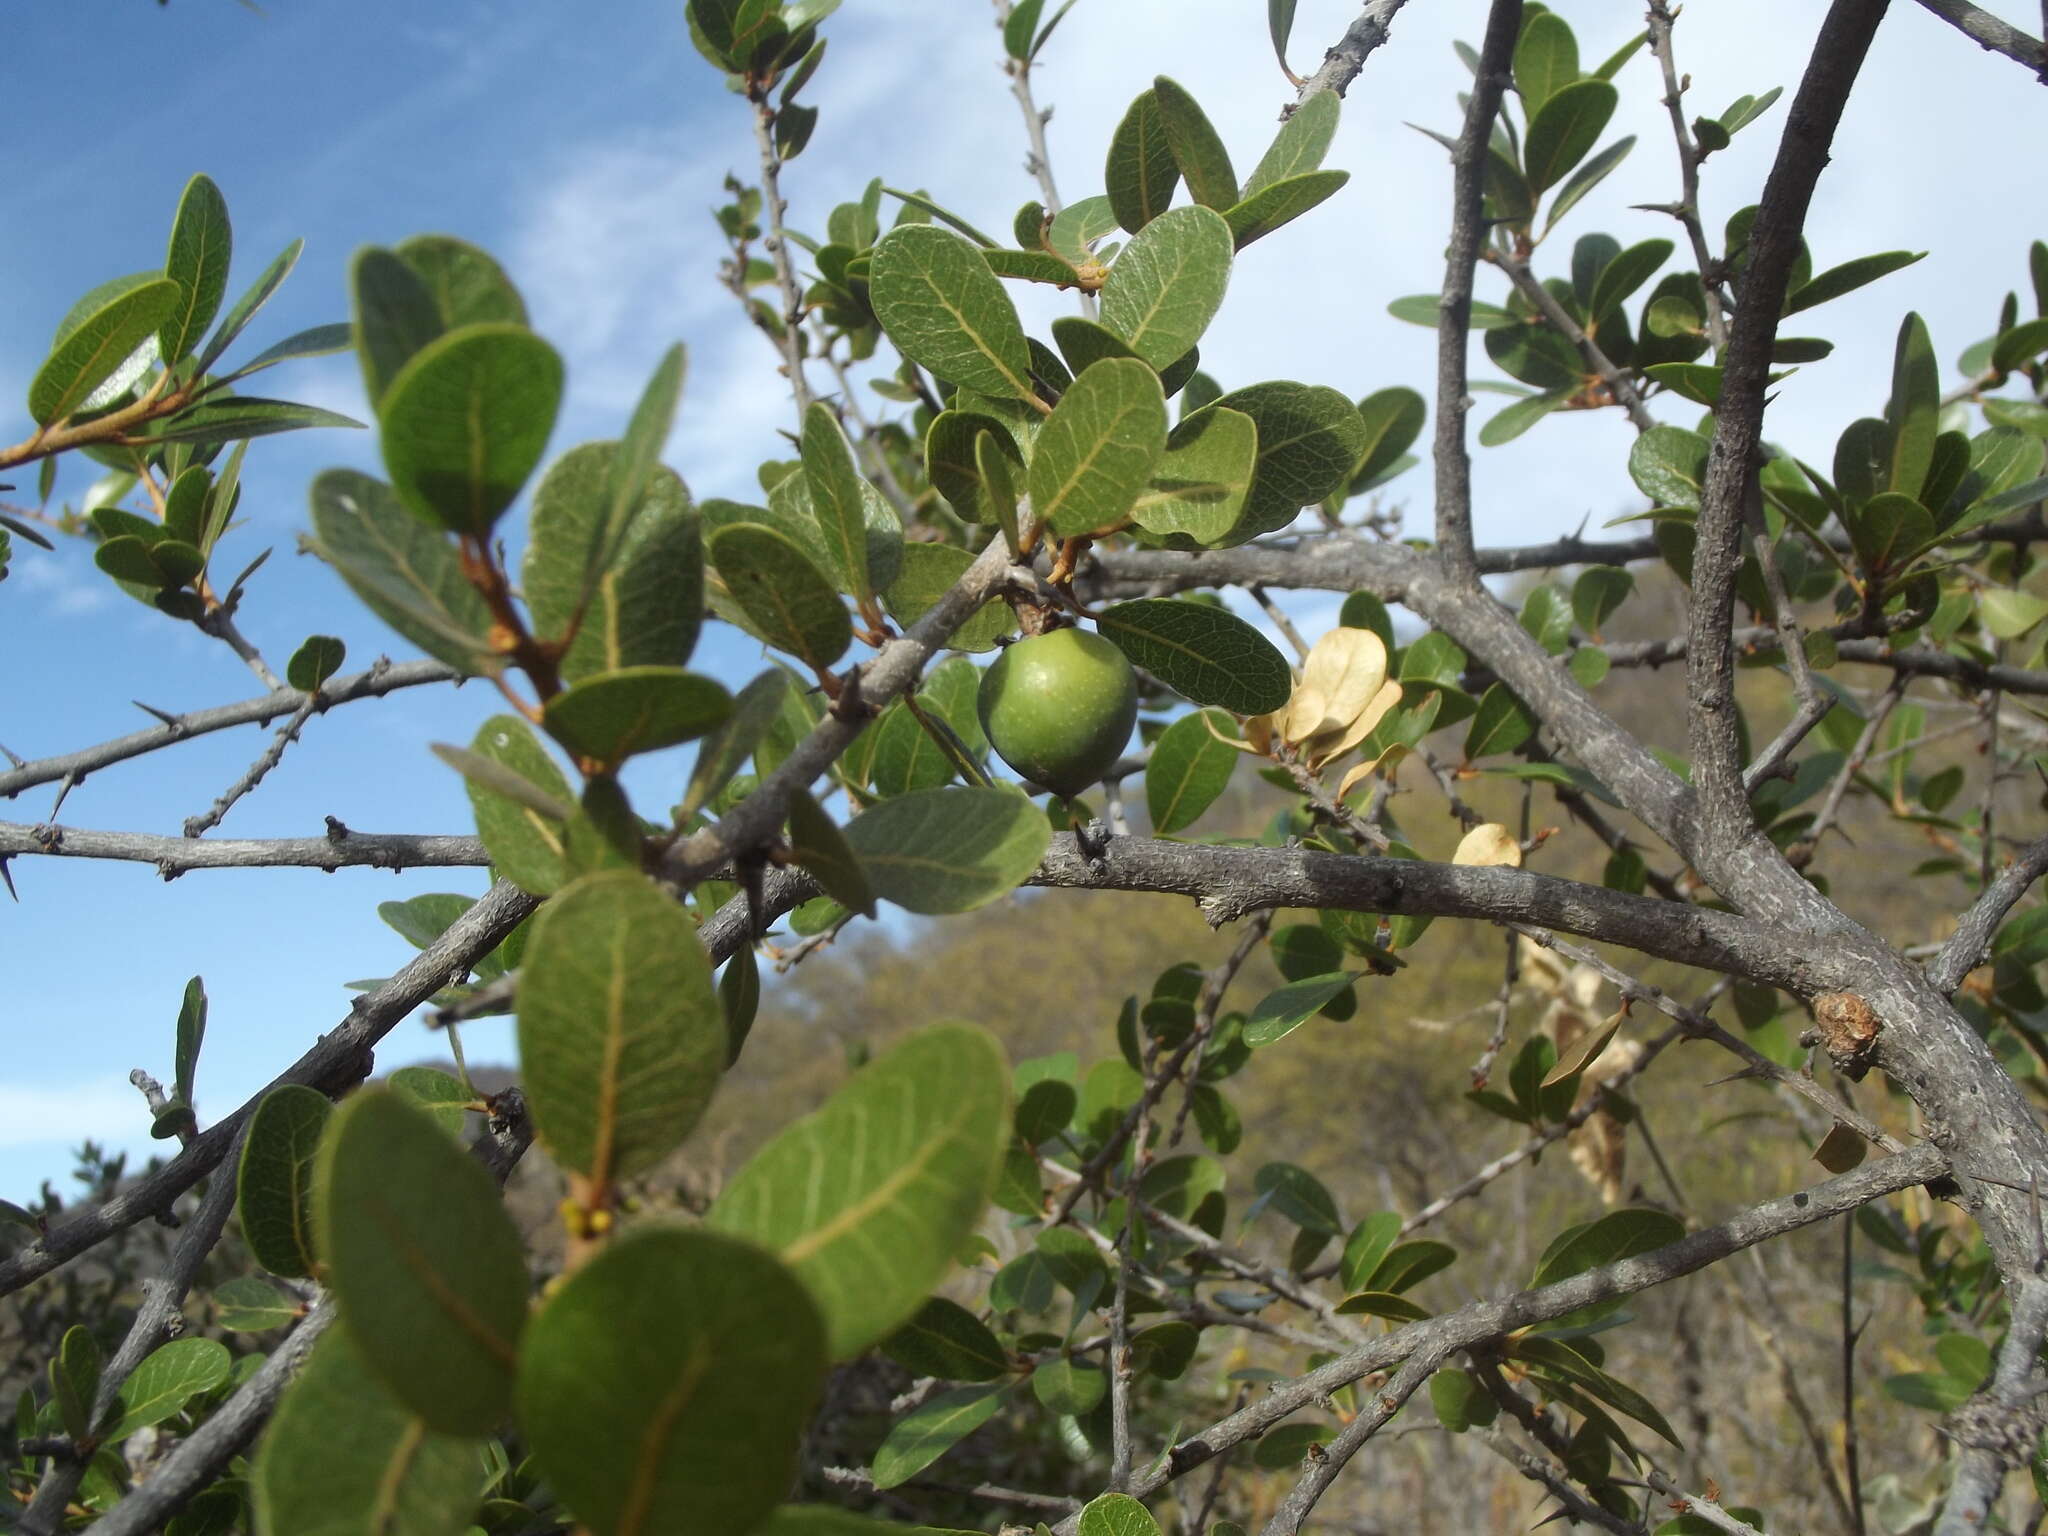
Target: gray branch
point(174, 856)
point(1992, 34)
point(2000, 1426)
point(382, 678)
point(339, 1059)
point(1342, 63)
point(1966, 948)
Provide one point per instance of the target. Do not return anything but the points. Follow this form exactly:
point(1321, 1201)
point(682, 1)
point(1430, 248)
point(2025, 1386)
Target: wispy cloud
point(103, 1108)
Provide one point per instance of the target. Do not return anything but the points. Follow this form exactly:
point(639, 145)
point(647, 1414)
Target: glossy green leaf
point(1309, 438)
point(998, 488)
point(1393, 419)
point(933, 1428)
point(1044, 1110)
point(253, 1305)
point(1369, 1243)
point(945, 1340)
point(1618, 1235)
point(665, 1386)
point(869, 1198)
point(317, 659)
point(405, 572)
point(466, 420)
point(1280, 203)
point(1098, 448)
point(739, 993)
point(428, 1269)
point(1847, 278)
point(1669, 465)
point(621, 1035)
point(274, 1190)
point(395, 316)
point(227, 418)
point(1546, 60)
point(928, 572)
point(1203, 653)
point(819, 846)
point(1020, 26)
point(189, 1037)
point(725, 751)
point(1197, 147)
point(1078, 228)
point(838, 497)
point(1300, 145)
point(1408, 1264)
point(1168, 283)
point(465, 282)
point(951, 460)
point(434, 1093)
point(202, 242)
point(1141, 173)
point(342, 1457)
point(1117, 1514)
point(788, 599)
point(1197, 492)
point(526, 843)
point(1280, 25)
point(1621, 277)
point(98, 345)
point(946, 311)
point(612, 716)
point(949, 850)
point(1460, 1402)
point(1500, 724)
point(244, 309)
point(75, 1380)
point(1191, 766)
point(1597, 595)
point(1887, 529)
point(1564, 129)
point(168, 1378)
point(2007, 613)
point(1554, 1358)
point(1915, 410)
point(1506, 425)
point(1280, 1013)
point(1083, 343)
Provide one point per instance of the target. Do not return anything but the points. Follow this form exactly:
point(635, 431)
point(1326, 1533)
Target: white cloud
point(57, 584)
point(104, 1108)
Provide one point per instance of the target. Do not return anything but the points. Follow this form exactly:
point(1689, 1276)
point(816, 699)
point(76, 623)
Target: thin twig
point(791, 337)
point(1687, 209)
point(1620, 387)
point(285, 735)
point(1992, 34)
point(1964, 952)
point(1343, 62)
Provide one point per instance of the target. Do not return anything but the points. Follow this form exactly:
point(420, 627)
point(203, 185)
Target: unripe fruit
point(1059, 708)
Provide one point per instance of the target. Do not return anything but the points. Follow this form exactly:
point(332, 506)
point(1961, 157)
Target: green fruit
point(1059, 708)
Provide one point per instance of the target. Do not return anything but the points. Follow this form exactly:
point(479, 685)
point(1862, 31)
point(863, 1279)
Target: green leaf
point(868, 1199)
point(998, 487)
point(1117, 1514)
point(725, 751)
point(1618, 1235)
point(951, 456)
point(317, 659)
point(526, 842)
point(838, 498)
point(1888, 528)
point(2020, 344)
point(789, 600)
point(75, 1380)
point(1069, 1387)
point(1083, 343)
point(929, 571)
point(202, 242)
point(1309, 438)
point(949, 850)
point(1141, 173)
point(466, 420)
point(1423, 309)
point(252, 1305)
point(1500, 724)
point(1598, 594)
point(229, 418)
point(1078, 228)
point(428, 1269)
point(190, 1036)
point(395, 315)
point(343, 1458)
point(1586, 178)
point(1280, 1013)
point(1546, 60)
point(818, 845)
point(1460, 1402)
point(1300, 145)
point(1622, 276)
point(1044, 1110)
point(1393, 420)
point(1408, 1264)
point(612, 716)
point(1554, 1357)
point(1507, 425)
point(1203, 653)
point(1019, 26)
point(274, 1189)
point(621, 1034)
point(1197, 147)
point(925, 1434)
point(1280, 203)
point(1669, 465)
point(1279, 24)
point(100, 344)
point(465, 282)
point(168, 1378)
point(666, 1385)
point(2008, 613)
point(1098, 448)
point(945, 1340)
point(1368, 1244)
point(1564, 129)
point(403, 571)
point(643, 607)
point(946, 311)
point(1197, 493)
point(314, 341)
point(1168, 283)
point(436, 1094)
point(1190, 767)
point(1915, 410)
point(1847, 278)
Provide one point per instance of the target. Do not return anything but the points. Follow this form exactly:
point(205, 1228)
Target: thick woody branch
point(1991, 34)
point(1999, 1428)
point(341, 1058)
point(1342, 63)
point(1454, 306)
point(385, 677)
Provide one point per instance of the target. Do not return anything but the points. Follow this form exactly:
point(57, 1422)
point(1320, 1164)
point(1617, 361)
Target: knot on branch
point(1847, 1027)
point(1985, 1424)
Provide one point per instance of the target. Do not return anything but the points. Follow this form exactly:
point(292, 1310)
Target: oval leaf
point(1098, 448)
point(98, 345)
point(274, 1189)
point(949, 850)
point(946, 311)
point(1204, 654)
point(790, 602)
point(526, 843)
point(615, 715)
point(1191, 765)
point(1168, 283)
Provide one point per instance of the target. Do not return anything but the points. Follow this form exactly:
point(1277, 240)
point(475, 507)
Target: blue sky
point(585, 146)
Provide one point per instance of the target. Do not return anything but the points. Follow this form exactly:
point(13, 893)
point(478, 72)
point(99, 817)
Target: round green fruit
point(1059, 708)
